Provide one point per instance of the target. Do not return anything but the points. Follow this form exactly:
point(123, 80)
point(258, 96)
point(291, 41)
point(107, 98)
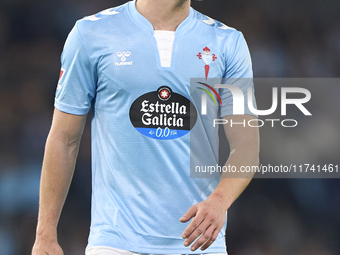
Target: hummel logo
point(123, 55)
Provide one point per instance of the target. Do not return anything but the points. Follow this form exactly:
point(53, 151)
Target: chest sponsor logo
point(163, 114)
point(123, 55)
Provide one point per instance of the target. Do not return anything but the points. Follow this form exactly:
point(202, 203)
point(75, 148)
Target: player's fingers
point(211, 240)
point(197, 220)
point(205, 237)
point(189, 214)
point(199, 230)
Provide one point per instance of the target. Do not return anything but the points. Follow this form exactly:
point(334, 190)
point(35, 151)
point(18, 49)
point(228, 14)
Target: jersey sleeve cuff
point(76, 110)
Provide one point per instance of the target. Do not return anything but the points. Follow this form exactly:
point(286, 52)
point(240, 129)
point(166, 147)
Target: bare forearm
point(60, 156)
point(209, 215)
point(231, 185)
point(57, 173)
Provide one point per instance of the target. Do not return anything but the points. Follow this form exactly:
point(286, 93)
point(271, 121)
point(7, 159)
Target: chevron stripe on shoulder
point(107, 12)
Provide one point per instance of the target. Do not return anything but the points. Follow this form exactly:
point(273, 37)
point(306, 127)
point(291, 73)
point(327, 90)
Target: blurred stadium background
point(273, 217)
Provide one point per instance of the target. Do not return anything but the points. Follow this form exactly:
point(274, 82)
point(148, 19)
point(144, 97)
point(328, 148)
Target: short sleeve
point(77, 82)
point(238, 73)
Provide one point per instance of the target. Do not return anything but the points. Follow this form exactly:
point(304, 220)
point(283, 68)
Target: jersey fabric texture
point(142, 185)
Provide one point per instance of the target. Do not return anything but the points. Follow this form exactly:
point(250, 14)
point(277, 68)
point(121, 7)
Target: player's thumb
point(189, 214)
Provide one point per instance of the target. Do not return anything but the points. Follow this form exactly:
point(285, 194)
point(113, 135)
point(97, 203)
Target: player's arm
point(209, 215)
point(58, 166)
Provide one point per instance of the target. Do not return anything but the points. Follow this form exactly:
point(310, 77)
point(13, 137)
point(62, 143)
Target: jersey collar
point(142, 21)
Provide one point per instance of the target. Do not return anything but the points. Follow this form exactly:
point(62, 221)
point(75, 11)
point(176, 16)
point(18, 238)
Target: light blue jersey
point(141, 120)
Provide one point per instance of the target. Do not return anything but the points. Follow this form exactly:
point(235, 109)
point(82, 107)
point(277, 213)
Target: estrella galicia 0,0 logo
point(163, 114)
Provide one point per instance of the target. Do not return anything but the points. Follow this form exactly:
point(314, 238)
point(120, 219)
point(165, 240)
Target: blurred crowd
point(273, 217)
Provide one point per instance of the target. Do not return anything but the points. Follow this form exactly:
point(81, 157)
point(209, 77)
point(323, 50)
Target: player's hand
point(46, 248)
point(208, 220)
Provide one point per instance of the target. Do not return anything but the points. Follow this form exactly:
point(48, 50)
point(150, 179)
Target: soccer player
point(132, 64)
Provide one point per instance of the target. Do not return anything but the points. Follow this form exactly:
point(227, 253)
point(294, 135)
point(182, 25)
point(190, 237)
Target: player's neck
point(164, 14)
